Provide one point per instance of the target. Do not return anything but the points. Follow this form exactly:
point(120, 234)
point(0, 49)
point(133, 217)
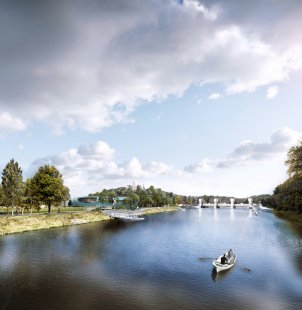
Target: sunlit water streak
point(155, 264)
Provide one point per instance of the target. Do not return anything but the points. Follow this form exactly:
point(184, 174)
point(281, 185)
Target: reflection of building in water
point(215, 215)
point(200, 212)
point(232, 214)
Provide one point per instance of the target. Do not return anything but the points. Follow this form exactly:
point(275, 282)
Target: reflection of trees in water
point(298, 262)
point(53, 288)
point(61, 254)
point(72, 246)
point(290, 237)
point(87, 243)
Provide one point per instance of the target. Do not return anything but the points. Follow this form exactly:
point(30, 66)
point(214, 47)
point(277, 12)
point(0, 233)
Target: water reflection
point(218, 276)
point(232, 214)
point(154, 264)
point(215, 215)
point(200, 212)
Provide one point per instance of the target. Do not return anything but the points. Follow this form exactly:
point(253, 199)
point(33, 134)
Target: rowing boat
point(231, 259)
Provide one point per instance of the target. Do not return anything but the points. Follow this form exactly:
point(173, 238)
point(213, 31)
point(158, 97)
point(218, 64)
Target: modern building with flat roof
point(88, 201)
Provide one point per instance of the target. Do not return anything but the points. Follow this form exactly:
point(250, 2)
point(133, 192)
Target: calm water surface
point(154, 264)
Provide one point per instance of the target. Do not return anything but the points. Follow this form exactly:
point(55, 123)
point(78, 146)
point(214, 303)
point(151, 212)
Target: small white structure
point(250, 201)
point(232, 202)
point(215, 202)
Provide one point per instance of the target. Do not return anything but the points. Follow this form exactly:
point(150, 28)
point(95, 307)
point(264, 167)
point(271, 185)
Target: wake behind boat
point(225, 261)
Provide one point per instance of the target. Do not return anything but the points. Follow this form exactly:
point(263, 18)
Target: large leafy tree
point(2, 200)
point(111, 195)
point(30, 198)
point(145, 200)
point(48, 186)
point(288, 195)
point(132, 199)
point(294, 160)
point(12, 184)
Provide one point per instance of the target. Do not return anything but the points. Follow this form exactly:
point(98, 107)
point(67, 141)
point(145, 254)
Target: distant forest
point(156, 197)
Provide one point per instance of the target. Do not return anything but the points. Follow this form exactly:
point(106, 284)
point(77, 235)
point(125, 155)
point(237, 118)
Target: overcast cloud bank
point(64, 62)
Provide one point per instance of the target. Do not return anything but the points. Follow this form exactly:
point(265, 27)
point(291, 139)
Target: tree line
point(46, 187)
point(143, 197)
point(156, 197)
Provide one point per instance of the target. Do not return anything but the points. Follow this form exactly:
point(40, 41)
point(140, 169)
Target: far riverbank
point(22, 223)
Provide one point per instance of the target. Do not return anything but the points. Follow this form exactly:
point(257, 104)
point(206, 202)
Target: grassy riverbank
point(291, 216)
point(159, 210)
point(21, 223)
point(17, 224)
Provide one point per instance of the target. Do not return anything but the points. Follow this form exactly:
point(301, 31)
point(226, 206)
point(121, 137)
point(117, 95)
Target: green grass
point(69, 216)
point(154, 210)
point(3, 210)
point(15, 224)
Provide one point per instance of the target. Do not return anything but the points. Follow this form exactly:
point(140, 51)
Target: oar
point(245, 268)
point(206, 258)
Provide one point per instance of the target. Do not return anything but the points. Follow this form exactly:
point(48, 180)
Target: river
point(155, 264)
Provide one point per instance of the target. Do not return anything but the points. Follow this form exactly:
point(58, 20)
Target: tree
point(145, 199)
point(111, 195)
point(12, 184)
point(2, 200)
point(65, 196)
point(179, 200)
point(132, 199)
point(288, 195)
point(294, 160)
point(48, 186)
point(102, 197)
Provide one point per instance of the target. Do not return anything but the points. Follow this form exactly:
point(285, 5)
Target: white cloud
point(252, 168)
point(210, 14)
point(272, 92)
point(10, 123)
point(248, 151)
point(85, 168)
point(215, 96)
point(90, 168)
point(205, 165)
point(90, 78)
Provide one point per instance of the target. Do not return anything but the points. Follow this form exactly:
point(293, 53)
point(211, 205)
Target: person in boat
point(230, 253)
point(224, 260)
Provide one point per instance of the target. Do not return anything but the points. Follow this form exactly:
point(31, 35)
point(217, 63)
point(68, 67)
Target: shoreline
point(291, 216)
point(23, 223)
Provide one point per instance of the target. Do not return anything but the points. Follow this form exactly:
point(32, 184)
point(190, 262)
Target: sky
point(192, 96)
